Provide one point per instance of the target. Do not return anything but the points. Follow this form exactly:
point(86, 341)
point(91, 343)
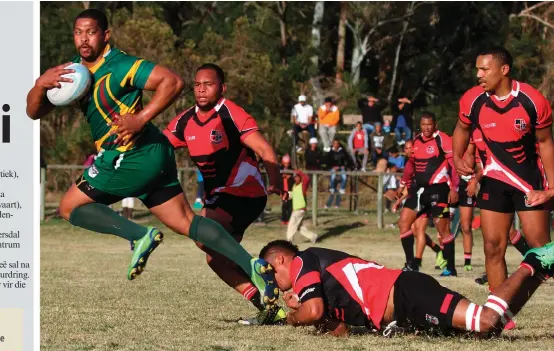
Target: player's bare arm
point(38, 105)
point(546, 152)
point(167, 86)
point(460, 141)
point(309, 313)
point(259, 144)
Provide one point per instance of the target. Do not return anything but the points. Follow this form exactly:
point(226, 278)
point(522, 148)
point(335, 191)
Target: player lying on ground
point(134, 158)
point(332, 289)
point(223, 140)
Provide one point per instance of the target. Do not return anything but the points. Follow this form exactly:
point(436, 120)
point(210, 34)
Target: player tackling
point(332, 289)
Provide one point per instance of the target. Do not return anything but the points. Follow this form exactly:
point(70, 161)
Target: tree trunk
point(341, 43)
point(405, 25)
point(316, 43)
point(282, 7)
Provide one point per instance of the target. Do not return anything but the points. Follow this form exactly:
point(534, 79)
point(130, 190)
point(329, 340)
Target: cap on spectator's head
point(302, 98)
point(285, 159)
point(313, 140)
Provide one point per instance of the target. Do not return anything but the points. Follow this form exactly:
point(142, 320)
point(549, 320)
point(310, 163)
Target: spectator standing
point(299, 191)
point(312, 156)
point(288, 181)
point(402, 121)
point(358, 144)
point(302, 114)
point(371, 113)
point(328, 115)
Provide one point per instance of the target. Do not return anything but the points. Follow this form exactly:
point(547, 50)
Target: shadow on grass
point(339, 230)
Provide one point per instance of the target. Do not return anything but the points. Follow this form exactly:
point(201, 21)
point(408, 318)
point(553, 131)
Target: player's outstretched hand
point(128, 126)
point(52, 78)
point(462, 167)
point(537, 197)
point(292, 301)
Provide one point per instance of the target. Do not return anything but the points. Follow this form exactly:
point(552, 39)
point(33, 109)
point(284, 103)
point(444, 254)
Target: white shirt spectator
point(302, 113)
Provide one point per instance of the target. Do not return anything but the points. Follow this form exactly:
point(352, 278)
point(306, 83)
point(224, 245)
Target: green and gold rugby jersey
point(118, 81)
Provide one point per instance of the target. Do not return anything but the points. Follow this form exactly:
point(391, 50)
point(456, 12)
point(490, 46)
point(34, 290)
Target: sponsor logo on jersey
point(215, 136)
point(489, 125)
point(430, 149)
point(92, 171)
point(520, 125)
point(189, 138)
point(310, 290)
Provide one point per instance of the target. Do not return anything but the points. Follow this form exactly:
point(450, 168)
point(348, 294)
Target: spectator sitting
point(288, 181)
point(377, 140)
point(371, 113)
point(302, 115)
point(402, 121)
point(312, 156)
point(395, 158)
point(390, 186)
point(328, 116)
point(358, 144)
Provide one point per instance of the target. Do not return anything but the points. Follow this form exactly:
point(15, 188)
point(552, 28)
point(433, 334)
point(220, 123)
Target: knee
point(64, 210)
point(494, 249)
point(466, 229)
point(489, 321)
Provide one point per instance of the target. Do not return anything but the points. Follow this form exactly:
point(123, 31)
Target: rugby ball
point(71, 91)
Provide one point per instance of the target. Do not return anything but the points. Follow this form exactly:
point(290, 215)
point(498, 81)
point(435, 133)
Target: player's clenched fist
point(52, 78)
point(292, 301)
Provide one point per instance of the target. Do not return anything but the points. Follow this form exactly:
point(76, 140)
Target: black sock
point(417, 261)
point(256, 301)
point(429, 242)
point(449, 253)
point(467, 258)
point(102, 219)
point(407, 240)
point(520, 243)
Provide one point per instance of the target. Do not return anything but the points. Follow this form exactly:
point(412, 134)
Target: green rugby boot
point(142, 249)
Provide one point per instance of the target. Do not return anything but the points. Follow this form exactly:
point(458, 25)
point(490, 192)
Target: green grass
point(180, 304)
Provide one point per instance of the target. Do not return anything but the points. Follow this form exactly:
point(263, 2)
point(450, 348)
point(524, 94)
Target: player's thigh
point(421, 301)
point(407, 218)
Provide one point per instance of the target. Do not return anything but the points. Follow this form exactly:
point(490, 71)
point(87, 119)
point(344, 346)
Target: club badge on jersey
point(520, 125)
point(215, 136)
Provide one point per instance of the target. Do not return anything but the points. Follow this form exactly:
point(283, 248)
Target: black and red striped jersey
point(216, 146)
point(354, 290)
point(508, 129)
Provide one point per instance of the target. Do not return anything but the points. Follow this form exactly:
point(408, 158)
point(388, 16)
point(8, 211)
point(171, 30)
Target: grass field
point(179, 303)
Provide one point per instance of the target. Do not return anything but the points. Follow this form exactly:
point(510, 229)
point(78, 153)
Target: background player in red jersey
point(223, 141)
point(515, 122)
point(434, 189)
point(332, 288)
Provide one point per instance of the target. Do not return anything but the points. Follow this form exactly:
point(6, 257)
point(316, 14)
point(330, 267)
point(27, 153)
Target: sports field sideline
point(180, 304)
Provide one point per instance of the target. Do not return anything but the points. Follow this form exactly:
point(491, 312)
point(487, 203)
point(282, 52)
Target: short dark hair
point(360, 123)
point(218, 71)
point(427, 115)
point(96, 15)
point(393, 150)
point(499, 53)
point(279, 244)
point(329, 99)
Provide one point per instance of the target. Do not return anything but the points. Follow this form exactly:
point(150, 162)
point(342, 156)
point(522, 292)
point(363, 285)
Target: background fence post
point(380, 201)
point(314, 199)
point(42, 193)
